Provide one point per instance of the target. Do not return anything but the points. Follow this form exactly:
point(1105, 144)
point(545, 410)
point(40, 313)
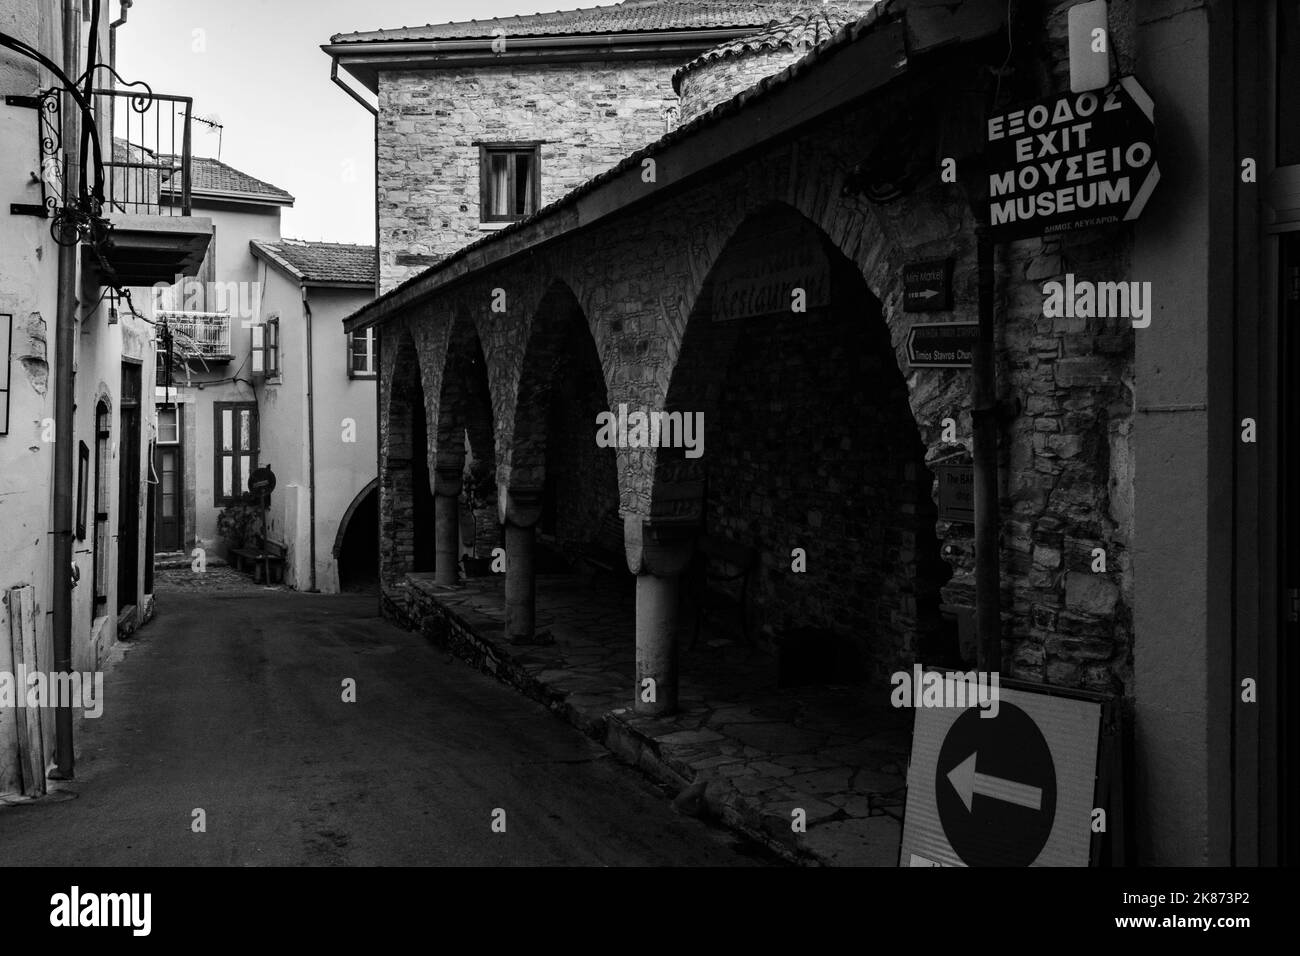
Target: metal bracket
point(49, 144)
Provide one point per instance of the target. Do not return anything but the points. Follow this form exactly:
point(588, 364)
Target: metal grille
point(199, 334)
point(149, 173)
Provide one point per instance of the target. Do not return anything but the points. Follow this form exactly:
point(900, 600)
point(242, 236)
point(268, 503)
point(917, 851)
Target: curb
point(461, 634)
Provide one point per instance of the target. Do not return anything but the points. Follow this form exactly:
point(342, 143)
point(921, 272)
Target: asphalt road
point(232, 703)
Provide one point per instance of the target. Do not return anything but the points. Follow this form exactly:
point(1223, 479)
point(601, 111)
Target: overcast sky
point(257, 67)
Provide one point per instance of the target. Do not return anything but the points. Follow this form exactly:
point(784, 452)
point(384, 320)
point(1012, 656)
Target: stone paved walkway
point(214, 578)
point(740, 748)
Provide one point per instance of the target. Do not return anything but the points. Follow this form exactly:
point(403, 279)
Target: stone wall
point(638, 279)
point(431, 122)
point(713, 81)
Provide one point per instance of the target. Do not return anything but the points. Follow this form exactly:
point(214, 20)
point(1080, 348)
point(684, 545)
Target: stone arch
point(463, 456)
point(552, 456)
point(356, 541)
point(349, 512)
point(405, 505)
point(809, 441)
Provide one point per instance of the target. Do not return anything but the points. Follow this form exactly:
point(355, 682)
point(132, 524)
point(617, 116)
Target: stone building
point(747, 265)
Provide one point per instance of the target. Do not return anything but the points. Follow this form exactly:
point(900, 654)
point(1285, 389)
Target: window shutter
point(259, 349)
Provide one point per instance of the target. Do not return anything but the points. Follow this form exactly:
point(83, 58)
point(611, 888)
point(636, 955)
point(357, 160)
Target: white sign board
point(1015, 789)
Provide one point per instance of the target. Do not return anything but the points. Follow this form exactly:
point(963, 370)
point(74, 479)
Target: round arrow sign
point(262, 481)
point(995, 786)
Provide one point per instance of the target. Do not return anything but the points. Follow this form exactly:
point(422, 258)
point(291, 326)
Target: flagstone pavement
point(740, 749)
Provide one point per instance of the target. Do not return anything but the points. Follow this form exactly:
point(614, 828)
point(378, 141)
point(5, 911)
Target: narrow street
point(231, 701)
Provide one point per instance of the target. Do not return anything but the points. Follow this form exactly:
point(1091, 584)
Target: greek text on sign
point(1072, 161)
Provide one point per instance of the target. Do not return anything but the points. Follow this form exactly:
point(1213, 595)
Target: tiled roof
point(631, 16)
point(213, 176)
point(802, 31)
point(850, 33)
point(320, 261)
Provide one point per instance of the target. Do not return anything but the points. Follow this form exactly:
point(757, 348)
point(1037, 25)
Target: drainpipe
point(112, 33)
point(984, 428)
point(64, 396)
point(311, 438)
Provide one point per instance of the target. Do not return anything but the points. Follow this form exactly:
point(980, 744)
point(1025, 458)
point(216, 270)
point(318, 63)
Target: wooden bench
point(723, 561)
point(260, 560)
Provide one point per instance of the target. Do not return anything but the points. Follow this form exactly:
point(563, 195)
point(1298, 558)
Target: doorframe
point(179, 447)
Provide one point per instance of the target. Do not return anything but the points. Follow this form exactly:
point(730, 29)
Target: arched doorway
point(561, 391)
point(407, 529)
point(812, 492)
point(356, 546)
point(465, 461)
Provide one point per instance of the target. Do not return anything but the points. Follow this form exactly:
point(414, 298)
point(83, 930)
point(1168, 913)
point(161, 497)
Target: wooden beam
point(11, 774)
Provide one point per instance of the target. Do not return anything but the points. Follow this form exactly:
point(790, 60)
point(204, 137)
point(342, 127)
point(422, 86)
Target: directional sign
point(262, 481)
point(995, 785)
point(1013, 786)
point(1071, 161)
point(942, 344)
point(927, 286)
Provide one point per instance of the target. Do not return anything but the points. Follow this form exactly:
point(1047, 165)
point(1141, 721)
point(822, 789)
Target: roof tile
point(321, 261)
point(631, 16)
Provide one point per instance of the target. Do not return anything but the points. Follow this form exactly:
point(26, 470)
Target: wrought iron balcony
point(149, 173)
point(198, 335)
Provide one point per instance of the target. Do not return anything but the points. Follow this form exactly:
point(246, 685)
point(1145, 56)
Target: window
point(509, 180)
point(169, 424)
point(266, 347)
point(363, 354)
point(235, 439)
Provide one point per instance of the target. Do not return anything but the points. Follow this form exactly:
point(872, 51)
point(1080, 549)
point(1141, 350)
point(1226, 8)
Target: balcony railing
point(149, 173)
point(198, 335)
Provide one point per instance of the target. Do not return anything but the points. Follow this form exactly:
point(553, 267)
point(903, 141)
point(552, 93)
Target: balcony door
point(169, 473)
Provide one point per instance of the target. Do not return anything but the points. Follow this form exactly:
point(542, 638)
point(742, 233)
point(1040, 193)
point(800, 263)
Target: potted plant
point(240, 523)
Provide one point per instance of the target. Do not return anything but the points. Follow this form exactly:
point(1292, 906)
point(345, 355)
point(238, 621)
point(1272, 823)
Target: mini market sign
point(1071, 161)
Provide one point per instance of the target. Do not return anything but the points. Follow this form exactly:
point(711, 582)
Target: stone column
point(521, 585)
point(522, 509)
point(446, 526)
point(656, 643)
point(665, 551)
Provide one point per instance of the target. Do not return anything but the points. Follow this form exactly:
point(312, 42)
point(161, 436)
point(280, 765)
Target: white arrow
point(967, 783)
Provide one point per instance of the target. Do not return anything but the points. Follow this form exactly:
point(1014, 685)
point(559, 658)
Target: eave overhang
point(146, 250)
point(364, 60)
